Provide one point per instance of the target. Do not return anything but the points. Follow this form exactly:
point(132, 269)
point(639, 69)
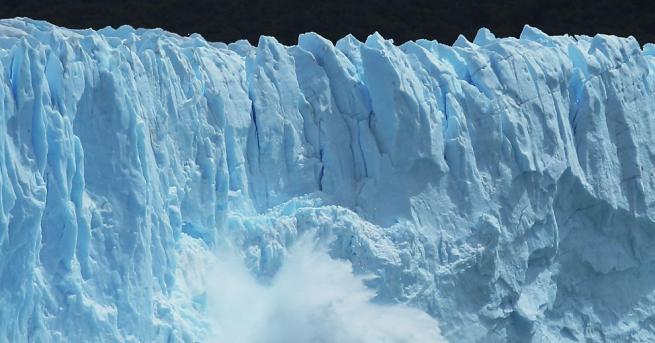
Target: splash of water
point(312, 299)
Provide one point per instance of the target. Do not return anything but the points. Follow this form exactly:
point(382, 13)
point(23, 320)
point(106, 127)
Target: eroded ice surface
point(503, 186)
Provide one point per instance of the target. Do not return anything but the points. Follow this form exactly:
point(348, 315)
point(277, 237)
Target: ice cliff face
point(504, 186)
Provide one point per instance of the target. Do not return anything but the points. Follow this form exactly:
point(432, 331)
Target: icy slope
point(503, 186)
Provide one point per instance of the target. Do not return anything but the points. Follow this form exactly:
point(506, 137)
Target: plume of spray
point(313, 298)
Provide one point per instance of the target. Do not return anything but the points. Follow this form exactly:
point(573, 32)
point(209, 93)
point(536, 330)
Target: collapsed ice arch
point(471, 178)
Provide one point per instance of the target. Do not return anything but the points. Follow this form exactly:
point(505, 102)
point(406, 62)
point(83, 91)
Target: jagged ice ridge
point(504, 186)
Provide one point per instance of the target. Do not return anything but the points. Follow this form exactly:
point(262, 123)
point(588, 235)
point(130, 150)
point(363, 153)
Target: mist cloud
point(313, 298)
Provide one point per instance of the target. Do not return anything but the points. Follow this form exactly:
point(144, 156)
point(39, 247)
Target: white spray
point(312, 299)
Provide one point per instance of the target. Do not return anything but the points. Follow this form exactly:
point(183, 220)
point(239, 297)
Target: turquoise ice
point(504, 187)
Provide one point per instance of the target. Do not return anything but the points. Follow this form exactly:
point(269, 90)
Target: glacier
point(494, 190)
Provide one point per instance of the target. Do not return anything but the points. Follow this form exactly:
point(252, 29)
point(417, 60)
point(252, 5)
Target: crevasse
point(503, 186)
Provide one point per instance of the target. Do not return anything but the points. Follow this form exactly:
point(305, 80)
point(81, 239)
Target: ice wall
point(504, 186)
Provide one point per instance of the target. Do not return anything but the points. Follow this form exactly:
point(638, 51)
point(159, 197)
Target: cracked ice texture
point(504, 186)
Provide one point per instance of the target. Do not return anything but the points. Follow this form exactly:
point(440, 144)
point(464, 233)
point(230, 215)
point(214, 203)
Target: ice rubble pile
point(504, 186)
